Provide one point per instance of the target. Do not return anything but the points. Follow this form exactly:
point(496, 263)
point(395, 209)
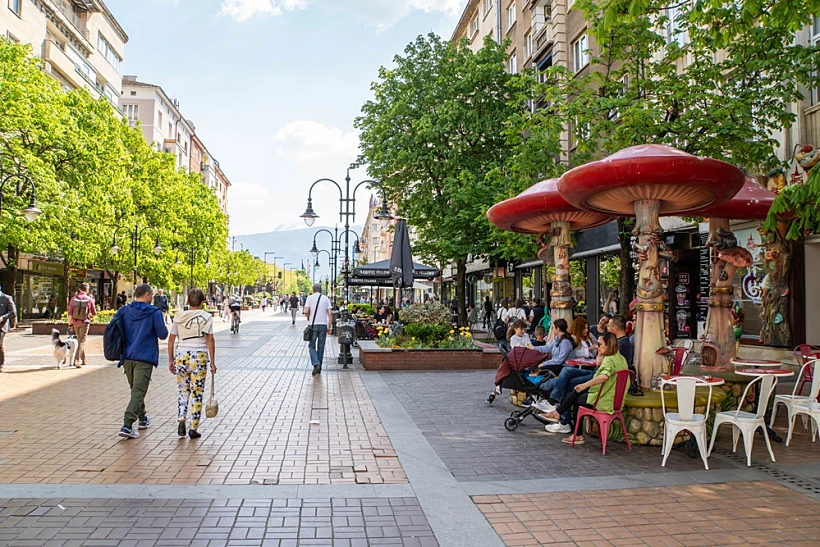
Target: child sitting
point(517, 335)
point(540, 336)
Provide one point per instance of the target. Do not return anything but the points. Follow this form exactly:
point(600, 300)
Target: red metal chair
point(681, 356)
point(804, 353)
point(622, 380)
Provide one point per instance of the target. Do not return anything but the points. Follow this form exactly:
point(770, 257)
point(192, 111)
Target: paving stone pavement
point(415, 459)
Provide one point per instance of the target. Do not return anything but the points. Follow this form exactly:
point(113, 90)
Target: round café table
point(581, 363)
point(755, 363)
point(711, 380)
point(763, 368)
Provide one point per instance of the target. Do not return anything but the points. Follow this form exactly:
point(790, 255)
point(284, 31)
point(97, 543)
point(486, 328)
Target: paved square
point(741, 513)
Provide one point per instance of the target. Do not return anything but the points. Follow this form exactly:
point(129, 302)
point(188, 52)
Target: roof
point(133, 81)
point(464, 20)
point(111, 19)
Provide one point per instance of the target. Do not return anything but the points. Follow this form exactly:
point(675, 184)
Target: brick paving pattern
point(745, 513)
point(451, 410)
point(201, 523)
point(61, 426)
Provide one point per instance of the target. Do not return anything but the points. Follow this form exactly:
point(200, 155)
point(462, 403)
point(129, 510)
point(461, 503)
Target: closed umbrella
point(401, 259)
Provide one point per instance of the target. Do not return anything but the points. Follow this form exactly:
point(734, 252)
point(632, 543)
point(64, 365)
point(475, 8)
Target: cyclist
point(294, 306)
point(235, 305)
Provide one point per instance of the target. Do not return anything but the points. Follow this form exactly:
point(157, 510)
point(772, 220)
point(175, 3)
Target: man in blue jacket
point(144, 326)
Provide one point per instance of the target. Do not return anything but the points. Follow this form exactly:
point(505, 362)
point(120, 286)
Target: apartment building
point(213, 177)
point(376, 242)
point(80, 41)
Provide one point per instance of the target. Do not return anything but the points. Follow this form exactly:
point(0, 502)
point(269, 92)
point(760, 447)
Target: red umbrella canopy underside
point(681, 182)
point(534, 210)
point(751, 203)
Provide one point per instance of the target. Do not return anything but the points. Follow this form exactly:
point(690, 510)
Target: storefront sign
point(753, 287)
point(48, 268)
point(705, 270)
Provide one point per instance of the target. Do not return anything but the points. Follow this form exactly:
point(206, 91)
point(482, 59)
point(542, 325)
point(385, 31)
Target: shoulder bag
point(309, 330)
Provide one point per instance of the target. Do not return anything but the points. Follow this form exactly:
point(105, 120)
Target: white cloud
point(381, 14)
point(305, 140)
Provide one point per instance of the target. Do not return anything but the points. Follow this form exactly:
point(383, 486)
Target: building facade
point(80, 41)
point(212, 175)
point(376, 242)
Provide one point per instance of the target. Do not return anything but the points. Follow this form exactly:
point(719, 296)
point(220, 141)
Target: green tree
point(436, 128)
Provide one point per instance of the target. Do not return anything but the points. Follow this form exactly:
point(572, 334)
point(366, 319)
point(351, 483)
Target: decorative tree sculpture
point(541, 210)
point(751, 203)
point(648, 181)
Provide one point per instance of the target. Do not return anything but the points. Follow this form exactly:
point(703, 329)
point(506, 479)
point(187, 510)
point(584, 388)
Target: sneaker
point(144, 423)
point(491, 398)
point(558, 428)
point(316, 370)
point(527, 402)
point(544, 406)
point(181, 429)
point(194, 434)
point(129, 433)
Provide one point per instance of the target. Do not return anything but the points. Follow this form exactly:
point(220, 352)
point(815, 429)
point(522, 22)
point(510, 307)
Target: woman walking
point(194, 328)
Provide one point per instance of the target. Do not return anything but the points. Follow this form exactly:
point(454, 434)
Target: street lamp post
point(331, 262)
point(335, 244)
point(136, 235)
point(31, 212)
point(192, 252)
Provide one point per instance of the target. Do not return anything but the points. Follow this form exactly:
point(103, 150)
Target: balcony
point(58, 61)
point(66, 11)
point(543, 38)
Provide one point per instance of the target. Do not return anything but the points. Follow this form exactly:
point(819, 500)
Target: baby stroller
point(512, 374)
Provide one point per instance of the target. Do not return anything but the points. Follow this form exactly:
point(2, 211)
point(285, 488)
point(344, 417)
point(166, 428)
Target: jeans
point(293, 314)
point(81, 331)
point(139, 377)
point(567, 380)
point(316, 346)
point(570, 406)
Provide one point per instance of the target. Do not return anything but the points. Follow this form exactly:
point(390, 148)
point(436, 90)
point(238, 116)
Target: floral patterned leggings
point(192, 369)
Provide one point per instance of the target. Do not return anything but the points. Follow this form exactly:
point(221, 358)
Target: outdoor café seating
point(811, 367)
point(685, 419)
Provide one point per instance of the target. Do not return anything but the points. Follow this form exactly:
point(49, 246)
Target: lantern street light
point(32, 211)
point(136, 235)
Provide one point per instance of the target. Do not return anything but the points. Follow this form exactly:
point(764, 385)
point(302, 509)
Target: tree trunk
point(12, 268)
point(65, 284)
point(776, 299)
point(649, 333)
point(719, 329)
point(561, 294)
point(627, 273)
point(461, 287)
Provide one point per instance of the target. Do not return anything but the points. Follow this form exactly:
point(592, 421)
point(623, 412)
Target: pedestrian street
point(355, 458)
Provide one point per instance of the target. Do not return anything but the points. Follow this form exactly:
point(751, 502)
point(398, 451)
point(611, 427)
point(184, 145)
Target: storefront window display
point(40, 296)
point(748, 283)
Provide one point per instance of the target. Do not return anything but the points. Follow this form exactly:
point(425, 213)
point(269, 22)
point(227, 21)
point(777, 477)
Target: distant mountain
point(292, 241)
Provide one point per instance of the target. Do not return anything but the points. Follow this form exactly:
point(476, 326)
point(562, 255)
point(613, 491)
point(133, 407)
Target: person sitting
point(560, 350)
point(517, 335)
point(540, 337)
point(597, 330)
point(585, 344)
point(381, 315)
point(617, 326)
point(600, 386)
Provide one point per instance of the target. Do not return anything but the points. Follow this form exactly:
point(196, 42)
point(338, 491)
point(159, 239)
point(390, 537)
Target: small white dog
point(63, 351)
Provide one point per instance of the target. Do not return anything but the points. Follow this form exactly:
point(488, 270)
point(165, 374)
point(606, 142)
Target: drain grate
point(796, 482)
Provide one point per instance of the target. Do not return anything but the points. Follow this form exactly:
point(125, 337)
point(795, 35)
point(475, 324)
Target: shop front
point(40, 288)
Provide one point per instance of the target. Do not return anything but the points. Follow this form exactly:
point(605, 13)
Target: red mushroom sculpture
point(541, 210)
point(647, 181)
point(751, 203)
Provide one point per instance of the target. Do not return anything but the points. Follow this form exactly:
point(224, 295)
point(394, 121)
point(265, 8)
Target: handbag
point(212, 408)
point(309, 330)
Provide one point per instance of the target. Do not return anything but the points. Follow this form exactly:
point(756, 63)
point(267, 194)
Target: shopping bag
point(212, 408)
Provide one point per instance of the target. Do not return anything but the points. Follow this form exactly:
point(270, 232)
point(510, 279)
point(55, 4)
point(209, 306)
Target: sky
point(273, 87)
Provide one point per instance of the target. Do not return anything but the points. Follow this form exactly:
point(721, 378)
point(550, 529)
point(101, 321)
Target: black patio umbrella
point(381, 271)
point(401, 259)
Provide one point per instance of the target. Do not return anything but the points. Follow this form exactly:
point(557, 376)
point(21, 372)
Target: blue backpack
point(114, 339)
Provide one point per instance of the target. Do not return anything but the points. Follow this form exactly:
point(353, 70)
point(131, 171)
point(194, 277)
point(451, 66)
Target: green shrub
point(427, 333)
point(431, 313)
point(365, 309)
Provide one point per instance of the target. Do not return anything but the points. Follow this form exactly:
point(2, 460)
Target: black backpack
point(500, 330)
point(114, 340)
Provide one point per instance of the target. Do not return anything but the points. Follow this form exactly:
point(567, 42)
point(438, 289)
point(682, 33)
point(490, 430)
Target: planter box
point(373, 357)
point(45, 327)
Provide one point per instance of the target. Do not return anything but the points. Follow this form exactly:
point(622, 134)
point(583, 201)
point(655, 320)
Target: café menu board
point(705, 266)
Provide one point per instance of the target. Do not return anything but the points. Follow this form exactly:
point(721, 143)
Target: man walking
point(144, 327)
point(294, 307)
point(80, 310)
point(161, 303)
point(320, 318)
point(7, 312)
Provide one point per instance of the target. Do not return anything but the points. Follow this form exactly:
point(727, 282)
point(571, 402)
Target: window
point(133, 93)
point(80, 64)
point(110, 93)
point(674, 31)
point(170, 130)
point(473, 27)
point(159, 117)
point(511, 12)
point(131, 111)
point(513, 64)
point(17, 7)
point(12, 38)
point(108, 52)
point(580, 53)
point(815, 41)
point(488, 6)
point(528, 45)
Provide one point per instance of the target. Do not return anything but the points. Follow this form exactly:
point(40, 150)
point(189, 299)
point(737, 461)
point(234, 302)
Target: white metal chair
point(685, 418)
point(746, 423)
point(686, 344)
point(789, 401)
point(808, 409)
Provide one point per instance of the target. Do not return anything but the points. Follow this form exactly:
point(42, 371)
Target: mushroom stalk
point(719, 329)
point(561, 293)
point(649, 331)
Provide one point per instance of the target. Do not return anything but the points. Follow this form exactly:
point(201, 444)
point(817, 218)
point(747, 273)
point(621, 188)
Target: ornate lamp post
point(31, 212)
point(191, 253)
point(136, 235)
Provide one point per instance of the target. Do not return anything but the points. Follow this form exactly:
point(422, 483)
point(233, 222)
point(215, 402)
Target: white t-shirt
point(318, 303)
point(513, 314)
point(191, 327)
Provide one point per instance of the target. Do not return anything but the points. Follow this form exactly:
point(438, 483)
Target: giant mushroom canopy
point(646, 181)
point(751, 203)
point(541, 210)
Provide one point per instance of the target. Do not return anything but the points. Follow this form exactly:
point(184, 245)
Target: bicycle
point(235, 323)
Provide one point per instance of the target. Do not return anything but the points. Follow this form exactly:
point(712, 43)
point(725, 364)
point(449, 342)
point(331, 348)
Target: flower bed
point(98, 323)
point(374, 357)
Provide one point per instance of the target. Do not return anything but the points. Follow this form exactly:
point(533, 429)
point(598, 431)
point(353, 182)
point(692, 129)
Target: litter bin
point(346, 335)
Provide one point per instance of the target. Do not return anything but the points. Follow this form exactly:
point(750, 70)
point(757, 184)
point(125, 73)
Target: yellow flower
point(468, 335)
point(450, 338)
point(452, 331)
